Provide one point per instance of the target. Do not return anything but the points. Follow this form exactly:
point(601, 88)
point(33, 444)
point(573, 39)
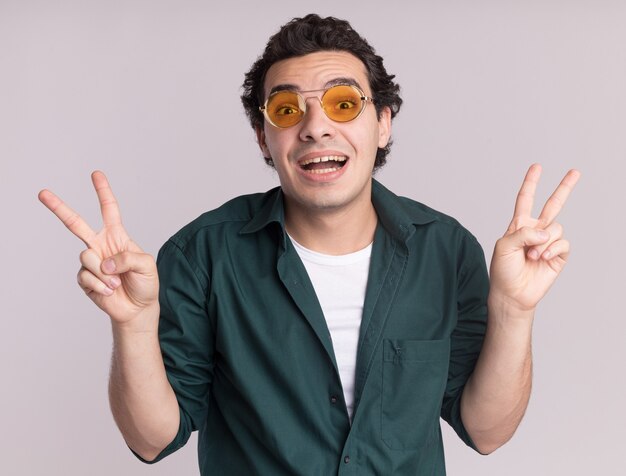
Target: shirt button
point(333, 399)
point(346, 459)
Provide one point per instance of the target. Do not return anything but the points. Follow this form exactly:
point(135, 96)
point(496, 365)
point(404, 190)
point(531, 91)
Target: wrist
point(504, 310)
point(145, 323)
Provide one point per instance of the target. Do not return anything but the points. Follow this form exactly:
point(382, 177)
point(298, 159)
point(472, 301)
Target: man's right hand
point(123, 281)
point(116, 274)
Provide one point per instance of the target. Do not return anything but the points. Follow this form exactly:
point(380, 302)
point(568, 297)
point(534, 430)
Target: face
point(324, 165)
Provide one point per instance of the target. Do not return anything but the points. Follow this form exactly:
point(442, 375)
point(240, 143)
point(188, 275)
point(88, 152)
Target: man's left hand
point(532, 253)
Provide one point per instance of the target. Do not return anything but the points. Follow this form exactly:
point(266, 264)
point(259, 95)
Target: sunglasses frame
point(302, 103)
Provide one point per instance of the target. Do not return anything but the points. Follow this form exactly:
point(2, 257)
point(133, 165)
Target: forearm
point(496, 395)
point(142, 401)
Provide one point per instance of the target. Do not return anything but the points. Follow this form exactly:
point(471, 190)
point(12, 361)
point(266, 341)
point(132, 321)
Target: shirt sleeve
point(186, 339)
point(467, 337)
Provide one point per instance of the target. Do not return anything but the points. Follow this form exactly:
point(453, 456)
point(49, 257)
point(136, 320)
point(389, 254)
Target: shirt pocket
point(415, 373)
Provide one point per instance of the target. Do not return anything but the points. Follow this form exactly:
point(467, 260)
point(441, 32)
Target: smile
point(324, 164)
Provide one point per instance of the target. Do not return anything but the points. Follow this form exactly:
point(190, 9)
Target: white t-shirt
point(340, 283)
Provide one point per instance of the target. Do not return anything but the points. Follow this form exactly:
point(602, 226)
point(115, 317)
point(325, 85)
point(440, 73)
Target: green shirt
point(249, 355)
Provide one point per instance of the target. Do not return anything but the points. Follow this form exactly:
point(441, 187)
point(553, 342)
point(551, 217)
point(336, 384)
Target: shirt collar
point(271, 210)
point(397, 215)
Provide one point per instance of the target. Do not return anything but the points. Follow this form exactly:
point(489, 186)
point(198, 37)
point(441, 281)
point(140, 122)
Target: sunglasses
point(342, 103)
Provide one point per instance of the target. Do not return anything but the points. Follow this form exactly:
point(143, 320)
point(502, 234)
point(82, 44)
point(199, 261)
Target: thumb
point(125, 261)
point(526, 236)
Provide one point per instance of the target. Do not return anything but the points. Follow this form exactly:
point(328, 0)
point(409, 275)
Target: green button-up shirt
point(249, 355)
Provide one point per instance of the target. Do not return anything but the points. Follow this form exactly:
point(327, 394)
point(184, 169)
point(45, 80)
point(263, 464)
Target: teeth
point(327, 158)
point(322, 171)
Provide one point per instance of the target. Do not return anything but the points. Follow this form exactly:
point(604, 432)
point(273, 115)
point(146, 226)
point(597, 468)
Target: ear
point(384, 127)
point(260, 138)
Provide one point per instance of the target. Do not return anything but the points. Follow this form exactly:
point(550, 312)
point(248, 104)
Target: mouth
point(324, 164)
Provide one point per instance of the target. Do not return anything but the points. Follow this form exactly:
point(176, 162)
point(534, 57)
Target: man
point(325, 326)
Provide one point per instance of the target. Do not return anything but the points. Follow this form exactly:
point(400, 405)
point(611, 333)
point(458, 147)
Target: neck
point(332, 231)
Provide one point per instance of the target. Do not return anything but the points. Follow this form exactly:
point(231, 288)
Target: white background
point(148, 91)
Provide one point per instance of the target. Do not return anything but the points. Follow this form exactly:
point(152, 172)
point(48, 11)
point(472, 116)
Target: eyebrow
point(329, 84)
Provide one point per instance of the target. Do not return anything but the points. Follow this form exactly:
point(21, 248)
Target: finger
point(526, 194)
point(126, 261)
point(522, 238)
point(555, 203)
point(92, 262)
point(558, 249)
point(90, 283)
point(555, 230)
point(108, 204)
point(69, 217)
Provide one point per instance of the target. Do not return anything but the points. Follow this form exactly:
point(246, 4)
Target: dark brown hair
point(310, 34)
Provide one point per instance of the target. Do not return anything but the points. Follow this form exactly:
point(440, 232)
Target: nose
point(315, 125)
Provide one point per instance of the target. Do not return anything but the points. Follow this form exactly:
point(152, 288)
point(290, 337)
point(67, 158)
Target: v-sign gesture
point(531, 254)
point(526, 262)
point(116, 274)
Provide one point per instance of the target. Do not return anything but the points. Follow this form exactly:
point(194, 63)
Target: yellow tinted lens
point(342, 103)
point(283, 109)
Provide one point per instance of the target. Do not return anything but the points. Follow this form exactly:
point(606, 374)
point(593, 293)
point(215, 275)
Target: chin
point(327, 201)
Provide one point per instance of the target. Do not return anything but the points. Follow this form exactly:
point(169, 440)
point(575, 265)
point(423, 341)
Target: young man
point(325, 326)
